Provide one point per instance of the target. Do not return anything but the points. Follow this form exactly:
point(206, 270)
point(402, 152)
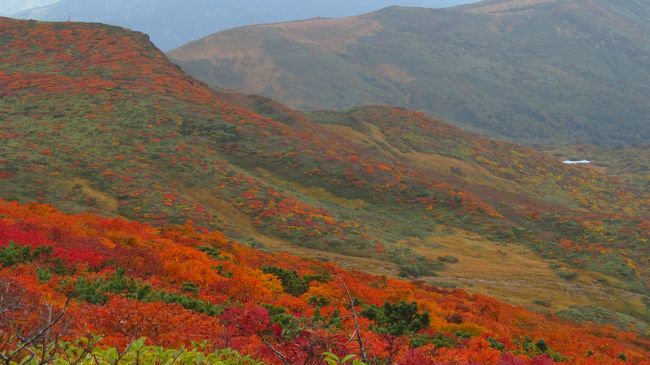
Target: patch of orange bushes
point(168, 259)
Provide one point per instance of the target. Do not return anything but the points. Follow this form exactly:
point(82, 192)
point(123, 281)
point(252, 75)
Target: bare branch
point(39, 343)
point(357, 328)
point(277, 353)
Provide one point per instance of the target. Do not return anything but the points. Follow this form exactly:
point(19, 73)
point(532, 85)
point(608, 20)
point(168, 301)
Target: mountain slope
point(631, 165)
point(97, 119)
point(203, 288)
point(172, 23)
point(536, 71)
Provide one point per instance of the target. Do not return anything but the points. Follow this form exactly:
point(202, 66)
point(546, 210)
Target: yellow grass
point(515, 274)
point(103, 200)
point(509, 272)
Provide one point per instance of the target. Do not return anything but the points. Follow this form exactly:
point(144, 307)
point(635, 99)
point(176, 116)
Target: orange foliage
point(231, 276)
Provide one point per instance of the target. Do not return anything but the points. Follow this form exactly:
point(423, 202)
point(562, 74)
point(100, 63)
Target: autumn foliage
point(177, 285)
point(95, 119)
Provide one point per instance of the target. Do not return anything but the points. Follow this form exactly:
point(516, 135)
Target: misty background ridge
point(172, 23)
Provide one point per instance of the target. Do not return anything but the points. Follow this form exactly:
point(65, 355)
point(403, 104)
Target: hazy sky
point(8, 7)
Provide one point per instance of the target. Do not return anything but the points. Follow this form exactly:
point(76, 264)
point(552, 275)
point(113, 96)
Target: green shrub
point(212, 252)
point(601, 315)
point(533, 349)
point(43, 275)
point(439, 340)
point(94, 291)
point(397, 319)
point(292, 283)
point(15, 254)
point(86, 352)
point(412, 264)
point(332, 359)
point(496, 344)
point(189, 287)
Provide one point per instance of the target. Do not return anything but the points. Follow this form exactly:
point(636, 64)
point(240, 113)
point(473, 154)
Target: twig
point(357, 328)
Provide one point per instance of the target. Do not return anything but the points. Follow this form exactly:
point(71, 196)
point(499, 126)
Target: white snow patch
point(576, 162)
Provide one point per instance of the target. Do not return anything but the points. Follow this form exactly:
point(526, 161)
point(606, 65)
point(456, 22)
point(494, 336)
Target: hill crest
point(553, 74)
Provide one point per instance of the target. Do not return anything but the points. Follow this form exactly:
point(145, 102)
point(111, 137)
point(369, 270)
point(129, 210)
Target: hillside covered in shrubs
point(83, 286)
point(96, 121)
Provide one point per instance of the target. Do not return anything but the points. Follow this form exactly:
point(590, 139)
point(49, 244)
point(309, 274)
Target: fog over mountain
point(171, 23)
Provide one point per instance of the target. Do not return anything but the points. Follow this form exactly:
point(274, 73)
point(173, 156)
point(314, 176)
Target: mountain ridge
point(564, 76)
point(172, 24)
